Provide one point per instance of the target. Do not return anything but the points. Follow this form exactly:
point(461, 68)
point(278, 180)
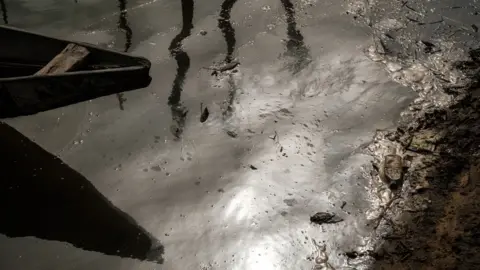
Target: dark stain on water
point(41, 196)
point(125, 27)
point(296, 47)
point(179, 112)
point(227, 29)
point(3, 6)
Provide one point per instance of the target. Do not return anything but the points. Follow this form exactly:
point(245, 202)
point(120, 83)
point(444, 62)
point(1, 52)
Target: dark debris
point(325, 218)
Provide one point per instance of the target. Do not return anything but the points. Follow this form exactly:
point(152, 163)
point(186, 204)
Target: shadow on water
point(179, 112)
point(4, 11)
point(295, 45)
point(125, 27)
point(43, 197)
point(227, 29)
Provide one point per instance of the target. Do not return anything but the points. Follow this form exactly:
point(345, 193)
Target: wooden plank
point(68, 59)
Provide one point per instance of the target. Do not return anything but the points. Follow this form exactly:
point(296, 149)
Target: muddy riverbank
point(431, 221)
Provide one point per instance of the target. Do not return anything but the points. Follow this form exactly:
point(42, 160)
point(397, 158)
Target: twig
point(274, 137)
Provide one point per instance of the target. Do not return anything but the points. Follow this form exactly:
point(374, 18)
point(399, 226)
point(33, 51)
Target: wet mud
point(434, 223)
point(431, 220)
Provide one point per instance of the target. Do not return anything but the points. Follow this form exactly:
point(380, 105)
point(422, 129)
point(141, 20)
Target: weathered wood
point(68, 59)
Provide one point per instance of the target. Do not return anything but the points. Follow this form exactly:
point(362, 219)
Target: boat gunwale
point(142, 62)
point(74, 73)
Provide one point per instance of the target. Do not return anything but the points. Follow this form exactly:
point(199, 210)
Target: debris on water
point(232, 134)
point(290, 202)
point(351, 254)
point(325, 218)
point(156, 168)
point(253, 167)
point(225, 67)
point(274, 137)
point(285, 111)
point(205, 113)
point(344, 203)
point(203, 32)
point(392, 170)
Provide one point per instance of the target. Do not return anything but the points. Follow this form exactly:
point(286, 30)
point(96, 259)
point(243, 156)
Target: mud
point(432, 221)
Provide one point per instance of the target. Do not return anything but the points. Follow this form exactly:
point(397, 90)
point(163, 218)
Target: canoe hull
point(31, 95)
point(22, 93)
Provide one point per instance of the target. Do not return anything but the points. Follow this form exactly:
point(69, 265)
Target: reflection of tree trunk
point(124, 25)
point(229, 34)
point(43, 197)
point(227, 28)
point(3, 7)
point(295, 45)
point(179, 113)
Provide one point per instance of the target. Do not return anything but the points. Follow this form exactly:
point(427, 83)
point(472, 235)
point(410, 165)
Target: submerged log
point(68, 59)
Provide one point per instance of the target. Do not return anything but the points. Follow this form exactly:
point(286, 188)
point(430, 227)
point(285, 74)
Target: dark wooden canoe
point(23, 53)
